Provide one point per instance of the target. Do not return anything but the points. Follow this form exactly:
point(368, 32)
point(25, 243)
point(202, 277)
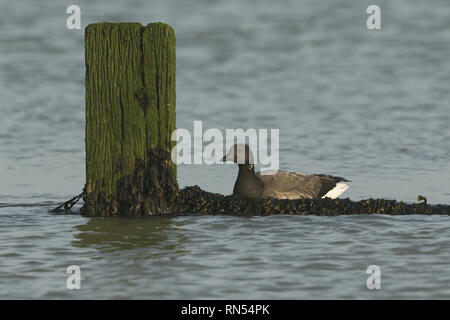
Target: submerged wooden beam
point(130, 116)
point(193, 200)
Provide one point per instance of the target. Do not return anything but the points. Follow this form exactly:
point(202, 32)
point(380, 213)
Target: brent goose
point(282, 184)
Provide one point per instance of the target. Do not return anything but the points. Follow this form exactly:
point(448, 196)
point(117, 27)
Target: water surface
point(275, 257)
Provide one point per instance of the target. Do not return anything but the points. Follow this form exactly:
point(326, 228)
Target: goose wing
point(297, 185)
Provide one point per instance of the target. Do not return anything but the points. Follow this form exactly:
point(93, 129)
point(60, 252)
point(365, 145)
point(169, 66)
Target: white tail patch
point(336, 191)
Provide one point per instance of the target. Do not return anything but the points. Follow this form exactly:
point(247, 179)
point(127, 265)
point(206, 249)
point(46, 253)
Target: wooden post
point(130, 116)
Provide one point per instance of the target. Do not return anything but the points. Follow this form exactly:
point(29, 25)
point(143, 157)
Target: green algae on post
point(130, 114)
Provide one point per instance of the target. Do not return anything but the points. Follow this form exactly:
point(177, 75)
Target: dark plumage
point(282, 184)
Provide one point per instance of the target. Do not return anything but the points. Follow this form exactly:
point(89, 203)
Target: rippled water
point(278, 257)
point(372, 106)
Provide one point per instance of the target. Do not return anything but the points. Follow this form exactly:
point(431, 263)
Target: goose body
point(282, 184)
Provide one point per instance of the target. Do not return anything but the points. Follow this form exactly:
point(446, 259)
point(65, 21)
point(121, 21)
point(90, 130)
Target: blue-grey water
point(372, 106)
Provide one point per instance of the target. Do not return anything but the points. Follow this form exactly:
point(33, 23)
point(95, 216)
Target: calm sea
point(372, 106)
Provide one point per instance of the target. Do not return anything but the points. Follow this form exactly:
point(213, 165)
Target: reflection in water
point(160, 235)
